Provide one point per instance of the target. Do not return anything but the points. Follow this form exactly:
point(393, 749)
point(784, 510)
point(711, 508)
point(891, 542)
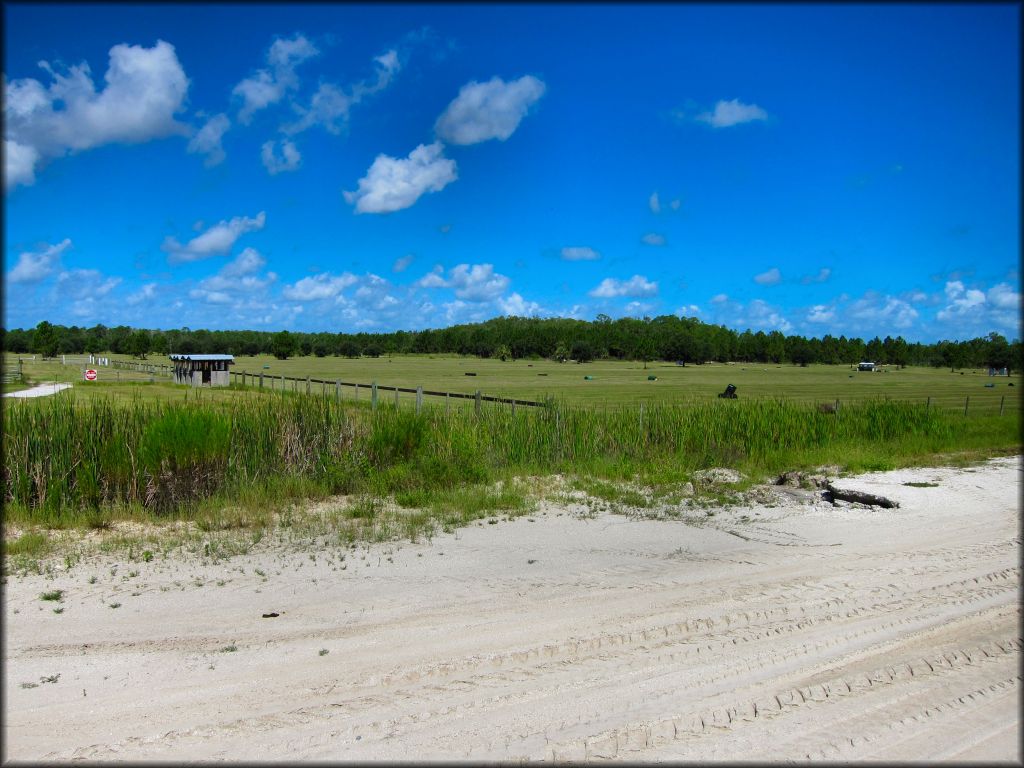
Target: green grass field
point(613, 384)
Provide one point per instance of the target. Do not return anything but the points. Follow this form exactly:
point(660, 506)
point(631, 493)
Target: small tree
point(503, 353)
point(582, 352)
point(348, 348)
point(139, 344)
point(561, 352)
point(283, 345)
point(373, 350)
point(44, 340)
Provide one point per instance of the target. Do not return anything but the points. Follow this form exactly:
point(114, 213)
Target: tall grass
point(65, 459)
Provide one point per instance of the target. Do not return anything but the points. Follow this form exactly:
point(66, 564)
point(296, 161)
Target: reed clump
point(66, 460)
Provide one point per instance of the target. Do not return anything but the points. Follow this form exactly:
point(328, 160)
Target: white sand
point(814, 632)
point(40, 390)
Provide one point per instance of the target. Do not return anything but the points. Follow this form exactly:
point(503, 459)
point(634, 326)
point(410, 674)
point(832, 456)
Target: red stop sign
point(90, 375)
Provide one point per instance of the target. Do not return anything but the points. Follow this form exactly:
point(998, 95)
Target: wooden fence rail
point(257, 380)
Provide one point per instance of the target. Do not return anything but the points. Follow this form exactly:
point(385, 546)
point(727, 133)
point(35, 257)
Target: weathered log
point(859, 497)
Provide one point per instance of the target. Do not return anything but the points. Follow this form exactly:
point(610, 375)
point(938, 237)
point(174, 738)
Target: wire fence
point(993, 398)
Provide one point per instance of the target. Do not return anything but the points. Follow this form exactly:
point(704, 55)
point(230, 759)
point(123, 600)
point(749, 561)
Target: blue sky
point(808, 168)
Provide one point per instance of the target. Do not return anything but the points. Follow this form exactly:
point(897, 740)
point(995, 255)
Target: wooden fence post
point(1001, 401)
point(261, 379)
point(307, 384)
point(356, 398)
point(373, 395)
point(337, 390)
point(396, 398)
point(513, 406)
point(447, 403)
point(928, 405)
point(419, 399)
point(837, 405)
point(478, 402)
point(967, 401)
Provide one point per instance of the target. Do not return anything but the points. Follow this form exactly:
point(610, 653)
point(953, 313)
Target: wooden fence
point(280, 382)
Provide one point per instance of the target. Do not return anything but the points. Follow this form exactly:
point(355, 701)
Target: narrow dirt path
point(40, 390)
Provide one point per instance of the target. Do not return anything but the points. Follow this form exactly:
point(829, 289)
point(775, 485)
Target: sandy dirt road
point(805, 632)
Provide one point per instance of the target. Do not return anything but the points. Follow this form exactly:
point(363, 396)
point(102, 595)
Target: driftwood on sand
point(859, 497)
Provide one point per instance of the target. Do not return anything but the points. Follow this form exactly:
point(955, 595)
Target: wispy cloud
point(823, 274)
point(330, 105)
point(402, 263)
point(772, 277)
point(581, 253)
point(35, 266)
point(653, 238)
point(268, 86)
point(208, 140)
point(289, 159)
point(729, 113)
point(217, 240)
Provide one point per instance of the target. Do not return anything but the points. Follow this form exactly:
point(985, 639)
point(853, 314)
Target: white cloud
point(580, 254)
point(638, 309)
point(322, 286)
point(637, 285)
point(1002, 296)
point(289, 160)
point(207, 140)
point(19, 164)
point(85, 283)
point(877, 310)
point(688, 310)
point(653, 238)
point(478, 282)
point(972, 310)
point(771, 277)
point(144, 89)
point(516, 306)
point(248, 262)
point(402, 263)
point(238, 276)
point(210, 297)
point(491, 110)
point(217, 240)
point(674, 205)
point(728, 113)
point(34, 266)
point(268, 87)
point(330, 105)
point(761, 313)
point(392, 184)
point(146, 293)
point(821, 313)
point(823, 274)
point(654, 203)
point(719, 298)
point(433, 279)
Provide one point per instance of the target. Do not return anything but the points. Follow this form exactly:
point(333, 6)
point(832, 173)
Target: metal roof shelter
point(202, 370)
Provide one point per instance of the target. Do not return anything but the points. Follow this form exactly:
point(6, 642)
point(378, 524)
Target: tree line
point(666, 338)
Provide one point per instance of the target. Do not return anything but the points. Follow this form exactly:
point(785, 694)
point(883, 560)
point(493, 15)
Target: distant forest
point(668, 338)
